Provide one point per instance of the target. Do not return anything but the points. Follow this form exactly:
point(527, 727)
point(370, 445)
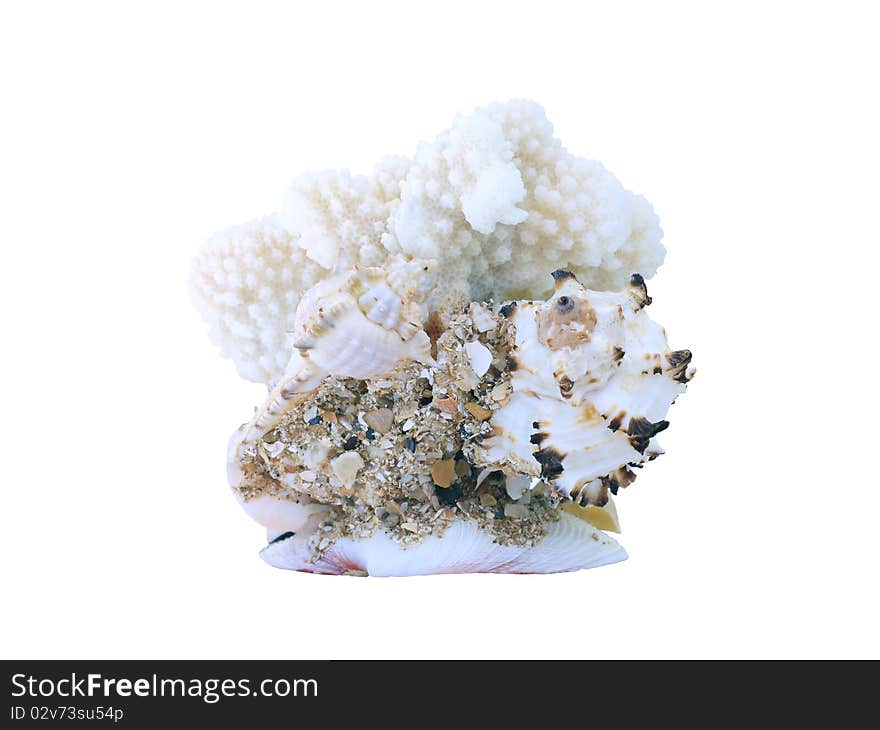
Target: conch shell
point(359, 324)
point(611, 381)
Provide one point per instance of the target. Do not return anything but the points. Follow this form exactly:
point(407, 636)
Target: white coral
point(500, 200)
point(496, 200)
point(246, 282)
point(340, 217)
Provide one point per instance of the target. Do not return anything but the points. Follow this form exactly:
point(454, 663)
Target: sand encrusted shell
point(479, 439)
point(359, 324)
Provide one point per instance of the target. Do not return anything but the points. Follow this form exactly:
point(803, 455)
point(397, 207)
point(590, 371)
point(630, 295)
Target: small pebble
point(500, 391)
point(389, 519)
point(346, 466)
point(447, 405)
point(351, 442)
point(410, 444)
point(392, 506)
point(380, 420)
point(477, 411)
point(443, 472)
point(516, 511)
point(407, 410)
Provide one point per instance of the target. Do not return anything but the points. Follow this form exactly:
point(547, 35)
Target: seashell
point(346, 466)
point(447, 405)
point(517, 486)
point(443, 472)
point(480, 357)
point(570, 544)
point(380, 420)
point(283, 515)
point(286, 512)
point(401, 484)
point(603, 518)
point(359, 324)
point(612, 380)
point(482, 318)
point(314, 456)
point(477, 411)
point(500, 392)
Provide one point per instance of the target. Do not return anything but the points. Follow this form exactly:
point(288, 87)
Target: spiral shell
point(592, 381)
point(359, 324)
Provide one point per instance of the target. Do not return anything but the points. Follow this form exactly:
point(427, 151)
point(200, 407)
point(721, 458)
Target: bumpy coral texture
point(340, 217)
point(496, 200)
point(246, 281)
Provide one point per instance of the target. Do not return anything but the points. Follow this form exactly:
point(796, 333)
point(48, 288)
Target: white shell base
point(571, 544)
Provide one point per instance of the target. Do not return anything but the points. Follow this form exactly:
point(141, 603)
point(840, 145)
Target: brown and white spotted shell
point(593, 379)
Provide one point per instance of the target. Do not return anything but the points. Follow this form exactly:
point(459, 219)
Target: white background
point(133, 131)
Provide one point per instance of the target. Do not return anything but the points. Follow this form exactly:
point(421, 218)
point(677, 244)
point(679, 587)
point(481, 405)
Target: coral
point(246, 282)
point(496, 201)
point(339, 217)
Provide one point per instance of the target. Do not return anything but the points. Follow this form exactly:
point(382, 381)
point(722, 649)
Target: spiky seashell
point(570, 544)
point(592, 380)
point(358, 324)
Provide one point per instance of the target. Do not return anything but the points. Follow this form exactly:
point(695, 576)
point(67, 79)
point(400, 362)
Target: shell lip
point(280, 538)
point(290, 552)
